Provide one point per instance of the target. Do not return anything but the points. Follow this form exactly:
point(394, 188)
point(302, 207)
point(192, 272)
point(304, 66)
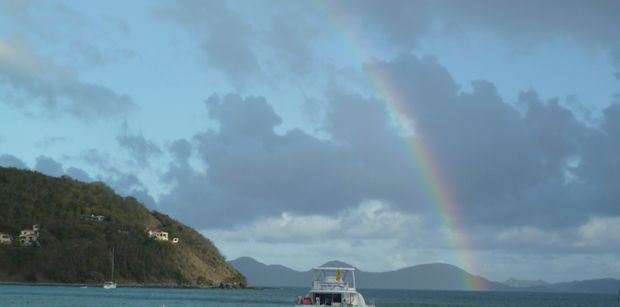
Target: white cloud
point(375, 219)
point(527, 235)
point(372, 219)
point(600, 233)
point(359, 236)
point(28, 79)
point(597, 235)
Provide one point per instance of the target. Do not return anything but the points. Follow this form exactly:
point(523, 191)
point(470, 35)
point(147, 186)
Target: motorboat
point(333, 286)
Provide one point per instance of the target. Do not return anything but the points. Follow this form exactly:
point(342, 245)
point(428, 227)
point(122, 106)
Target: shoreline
point(123, 285)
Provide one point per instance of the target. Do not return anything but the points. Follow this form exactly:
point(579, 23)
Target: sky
point(479, 133)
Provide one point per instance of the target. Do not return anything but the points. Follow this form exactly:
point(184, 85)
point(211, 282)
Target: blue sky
point(257, 124)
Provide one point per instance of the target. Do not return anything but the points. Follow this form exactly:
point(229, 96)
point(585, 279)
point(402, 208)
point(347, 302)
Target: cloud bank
point(28, 79)
point(530, 163)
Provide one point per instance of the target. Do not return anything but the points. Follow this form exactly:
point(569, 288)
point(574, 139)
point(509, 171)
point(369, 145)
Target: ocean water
point(11, 295)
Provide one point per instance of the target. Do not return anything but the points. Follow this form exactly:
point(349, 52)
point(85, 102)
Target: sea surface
point(12, 295)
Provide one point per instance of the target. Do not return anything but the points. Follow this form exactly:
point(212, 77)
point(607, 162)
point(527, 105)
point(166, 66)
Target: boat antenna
point(112, 276)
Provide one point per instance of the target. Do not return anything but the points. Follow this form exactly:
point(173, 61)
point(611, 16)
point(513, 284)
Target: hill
point(72, 249)
point(275, 275)
point(437, 276)
point(602, 285)
point(520, 283)
point(434, 276)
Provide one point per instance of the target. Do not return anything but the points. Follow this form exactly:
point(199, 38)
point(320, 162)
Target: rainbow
point(397, 108)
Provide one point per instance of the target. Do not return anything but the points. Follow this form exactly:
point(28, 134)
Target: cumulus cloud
point(366, 230)
point(528, 167)
point(181, 150)
point(397, 25)
point(600, 233)
point(588, 23)
point(521, 24)
point(67, 30)
point(12, 161)
point(128, 184)
point(273, 41)
point(599, 165)
point(595, 235)
point(369, 220)
point(501, 163)
point(32, 80)
point(226, 39)
point(141, 149)
point(51, 167)
point(252, 171)
point(78, 174)
point(291, 39)
point(123, 183)
point(48, 166)
point(283, 228)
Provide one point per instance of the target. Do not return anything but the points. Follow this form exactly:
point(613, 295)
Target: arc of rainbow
point(427, 168)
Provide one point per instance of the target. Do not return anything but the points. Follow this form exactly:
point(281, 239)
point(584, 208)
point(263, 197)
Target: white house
point(158, 235)
point(92, 217)
point(175, 240)
point(28, 237)
point(5, 238)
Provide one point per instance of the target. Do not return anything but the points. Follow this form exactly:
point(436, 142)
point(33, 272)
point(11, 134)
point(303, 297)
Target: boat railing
point(323, 285)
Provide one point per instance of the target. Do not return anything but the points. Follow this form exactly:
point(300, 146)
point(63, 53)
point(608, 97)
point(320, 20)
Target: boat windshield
point(327, 299)
point(333, 278)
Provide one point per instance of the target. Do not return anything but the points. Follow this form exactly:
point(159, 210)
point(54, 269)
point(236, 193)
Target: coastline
point(123, 285)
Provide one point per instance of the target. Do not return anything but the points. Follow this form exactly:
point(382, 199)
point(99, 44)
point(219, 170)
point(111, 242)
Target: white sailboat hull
point(109, 285)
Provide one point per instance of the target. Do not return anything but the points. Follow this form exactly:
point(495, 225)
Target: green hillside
point(71, 249)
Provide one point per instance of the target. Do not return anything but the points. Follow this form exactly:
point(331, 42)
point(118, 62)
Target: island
point(60, 230)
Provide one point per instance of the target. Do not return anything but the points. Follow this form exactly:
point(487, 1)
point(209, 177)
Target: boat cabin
point(333, 287)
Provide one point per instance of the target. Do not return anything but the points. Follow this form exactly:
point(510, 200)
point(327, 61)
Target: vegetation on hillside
point(75, 250)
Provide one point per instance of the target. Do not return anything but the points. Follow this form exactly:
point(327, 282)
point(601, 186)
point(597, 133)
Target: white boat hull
point(109, 285)
point(341, 305)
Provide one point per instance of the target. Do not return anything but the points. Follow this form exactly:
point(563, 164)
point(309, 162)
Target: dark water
point(127, 297)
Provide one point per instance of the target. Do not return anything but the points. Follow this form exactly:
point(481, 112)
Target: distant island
point(433, 276)
point(59, 230)
point(436, 276)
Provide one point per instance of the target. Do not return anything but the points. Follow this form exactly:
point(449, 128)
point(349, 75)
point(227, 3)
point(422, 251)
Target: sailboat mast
point(112, 276)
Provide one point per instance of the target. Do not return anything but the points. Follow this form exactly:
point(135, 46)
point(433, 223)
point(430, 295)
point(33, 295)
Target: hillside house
point(158, 235)
point(175, 240)
point(29, 237)
point(92, 217)
point(5, 238)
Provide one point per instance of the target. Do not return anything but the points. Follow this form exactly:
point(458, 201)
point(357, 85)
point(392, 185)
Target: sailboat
point(110, 284)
